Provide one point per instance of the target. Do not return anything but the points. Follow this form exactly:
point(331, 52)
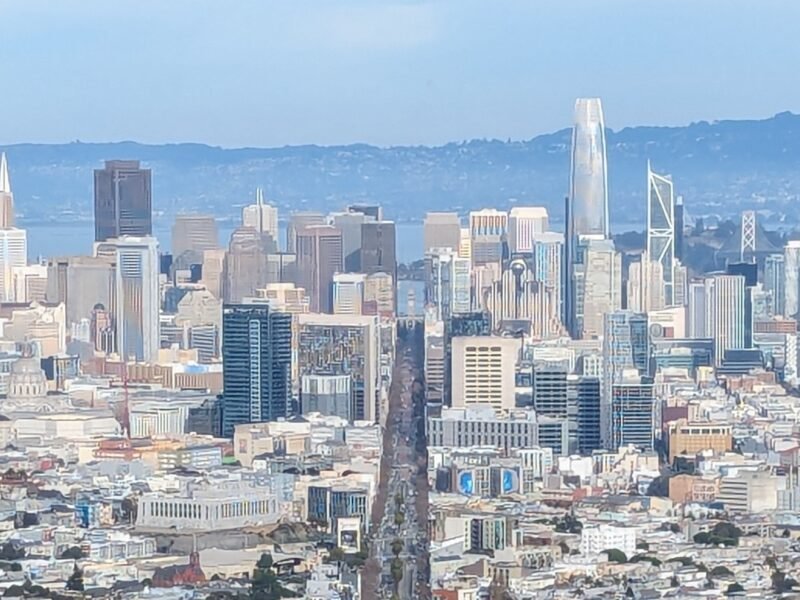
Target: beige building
point(194, 233)
point(685, 488)
point(688, 439)
point(378, 295)
point(213, 270)
point(81, 283)
point(441, 230)
point(43, 325)
point(30, 283)
point(483, 370)
point(253, 439)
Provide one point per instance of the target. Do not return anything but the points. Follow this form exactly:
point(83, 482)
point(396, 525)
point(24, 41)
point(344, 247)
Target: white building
point(602, 286)
point(30, 283)
point(791, 290)
point(13, 255)
point(483, 371)
point(725, 313)
point(525, 224)
point(448, 287)
point(599, 538)
point(261, 217)
point(137, 298)
point(348, 293)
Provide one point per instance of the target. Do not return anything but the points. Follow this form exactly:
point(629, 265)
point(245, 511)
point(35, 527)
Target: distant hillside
point(718, 167)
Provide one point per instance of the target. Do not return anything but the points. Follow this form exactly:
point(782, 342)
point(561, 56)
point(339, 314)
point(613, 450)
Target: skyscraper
point(261, 216)
point(122, 200)
point(598, 287)
point(137, 298)
point(774, 280)
point(447, 286)
point(661, 228)
point(645, 285)
point(525, 224)
point(350, 223)
point(725, 313)
point(257, 360)
point(586, 207)
point(13, 254)
point(483, 371)
point(488, 230)
point(633, 412)
point(458, 325)
point(6, 196)
point(297, 222)
point(791, 270)
point(677, 228)
point(245, 269)
point(343, 345)
point(588, 175)
point(194, 233)
point(378, 248)
point(319, 258)
point(348, 293)
point(548, 256)
point(441, 230)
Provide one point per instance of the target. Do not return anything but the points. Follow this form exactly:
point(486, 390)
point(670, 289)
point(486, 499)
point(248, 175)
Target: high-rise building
point(30, 283)
point(6, 196)
point(137, 298)
point(379, 295)
point(661, 228)
point(598, 287)
point(350, 223)
point(378, 248)
point(257, 360)
point(447, 285)
point(122, 200)
point(645, 285)
point(588, 175)
point(441, 230)
point(525, 224)
point(13, 254)
point(483, 372)
point(626, 346)
point(518, 302)
point(194, 233)
point(488, 230)
point(633, 413)
point(373, 211)
point(297, 222)
point(725, 313)
point(261, 216)
point(461, 325)
point(775, 281)
point(343, 345)
point(348, 293)
point(327, 395)
point(81, 282)
point(245, 268)
point(677, 228)
point(548, 257)
point(550, 391)
point(588, 399)
point(319, 258)
point(791, 269)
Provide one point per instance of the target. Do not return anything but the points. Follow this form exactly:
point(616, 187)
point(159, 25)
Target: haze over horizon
point(401, 72)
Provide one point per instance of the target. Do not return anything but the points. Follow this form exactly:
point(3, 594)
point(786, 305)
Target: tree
point(265, 584)
point(734, 589)
point(720, 571)
point(73, 553)
point(397, 547)
point(75, 581)
point(617, 556)
point(643, 546)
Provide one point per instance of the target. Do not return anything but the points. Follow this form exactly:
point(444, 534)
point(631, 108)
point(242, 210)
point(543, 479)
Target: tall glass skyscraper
point(588, 174)
point(587, 215)
point(661, 228)
point(257, 361)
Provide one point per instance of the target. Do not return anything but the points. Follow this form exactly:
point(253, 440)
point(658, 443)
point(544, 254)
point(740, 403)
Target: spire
point(5, 182)
point(259, 196)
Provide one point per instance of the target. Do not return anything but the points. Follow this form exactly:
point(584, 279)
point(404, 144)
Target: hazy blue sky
point(258, 72)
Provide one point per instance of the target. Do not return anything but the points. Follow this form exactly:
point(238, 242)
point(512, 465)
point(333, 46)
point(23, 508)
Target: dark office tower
point(750, 273)
point(633, 414)
point(678, 228)
point(378, 250)
point(550, 397)
point(370, 210)
point(297, 222)
point(319, 258)
point(587, 394)
point(257, 360)
point(122, 200)
point(775, 280)
point(461, 325)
